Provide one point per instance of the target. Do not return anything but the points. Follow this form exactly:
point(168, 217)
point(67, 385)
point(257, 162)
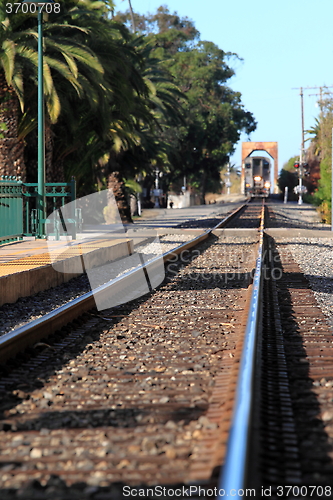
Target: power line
point(302, 152)
point(321, 93)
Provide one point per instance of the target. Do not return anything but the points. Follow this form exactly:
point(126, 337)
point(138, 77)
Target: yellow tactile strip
point(13, 264)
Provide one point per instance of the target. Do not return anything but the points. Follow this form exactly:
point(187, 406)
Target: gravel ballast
point(314, 255)
point(127, 400)
point(30, 308)
point(315, 258)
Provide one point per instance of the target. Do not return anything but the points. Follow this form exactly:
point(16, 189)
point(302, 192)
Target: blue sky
point(284, 45)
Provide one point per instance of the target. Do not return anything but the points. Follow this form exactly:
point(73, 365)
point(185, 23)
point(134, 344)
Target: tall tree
point(214, 114)
point(321, 150)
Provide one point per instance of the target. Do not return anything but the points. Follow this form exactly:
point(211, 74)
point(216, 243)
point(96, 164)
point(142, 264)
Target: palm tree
point(315, 132)
point(18, 71)
point(74, 70)
point(108, 120)
point(11, 90)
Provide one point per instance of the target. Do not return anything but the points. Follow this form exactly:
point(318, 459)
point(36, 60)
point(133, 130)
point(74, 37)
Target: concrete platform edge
point(32, 281)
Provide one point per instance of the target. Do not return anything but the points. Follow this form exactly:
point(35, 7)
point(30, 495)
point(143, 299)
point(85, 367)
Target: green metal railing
point(11, 208)
point(19, 214)
point(56, 196)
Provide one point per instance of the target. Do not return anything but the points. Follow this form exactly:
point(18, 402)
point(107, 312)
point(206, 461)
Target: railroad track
point(144, 394)
point(296, 417)
point(17, 340)
point(176, 392)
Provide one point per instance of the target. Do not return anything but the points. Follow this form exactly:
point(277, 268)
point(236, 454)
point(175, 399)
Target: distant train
point(257, 176)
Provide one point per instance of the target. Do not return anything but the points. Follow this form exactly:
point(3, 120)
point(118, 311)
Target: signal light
point(296, 164)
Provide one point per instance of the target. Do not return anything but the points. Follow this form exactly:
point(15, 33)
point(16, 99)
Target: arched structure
point(270, 147)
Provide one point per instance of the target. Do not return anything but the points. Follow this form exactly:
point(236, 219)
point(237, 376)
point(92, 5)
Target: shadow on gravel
point(315, 449)
point(101, 418)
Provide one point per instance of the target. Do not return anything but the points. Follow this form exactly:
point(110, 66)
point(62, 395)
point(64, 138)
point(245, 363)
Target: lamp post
point(227, 175)
point(41, 205)
point(157, 191)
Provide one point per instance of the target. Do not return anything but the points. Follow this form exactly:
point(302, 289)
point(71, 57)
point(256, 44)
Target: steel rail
point(19, 339)
point(233, 477)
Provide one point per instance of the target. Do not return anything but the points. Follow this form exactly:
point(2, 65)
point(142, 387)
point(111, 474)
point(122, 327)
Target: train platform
point(27, 267)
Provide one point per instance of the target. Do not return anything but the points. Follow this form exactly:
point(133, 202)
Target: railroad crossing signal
point(302, 168)
point(300, 189)
point(306, 169)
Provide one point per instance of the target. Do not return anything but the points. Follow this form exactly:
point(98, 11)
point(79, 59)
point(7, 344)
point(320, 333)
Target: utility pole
point(300, 171)
point(300, 187)
point(321, 98)
point(302, 152)
point(321, 94)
